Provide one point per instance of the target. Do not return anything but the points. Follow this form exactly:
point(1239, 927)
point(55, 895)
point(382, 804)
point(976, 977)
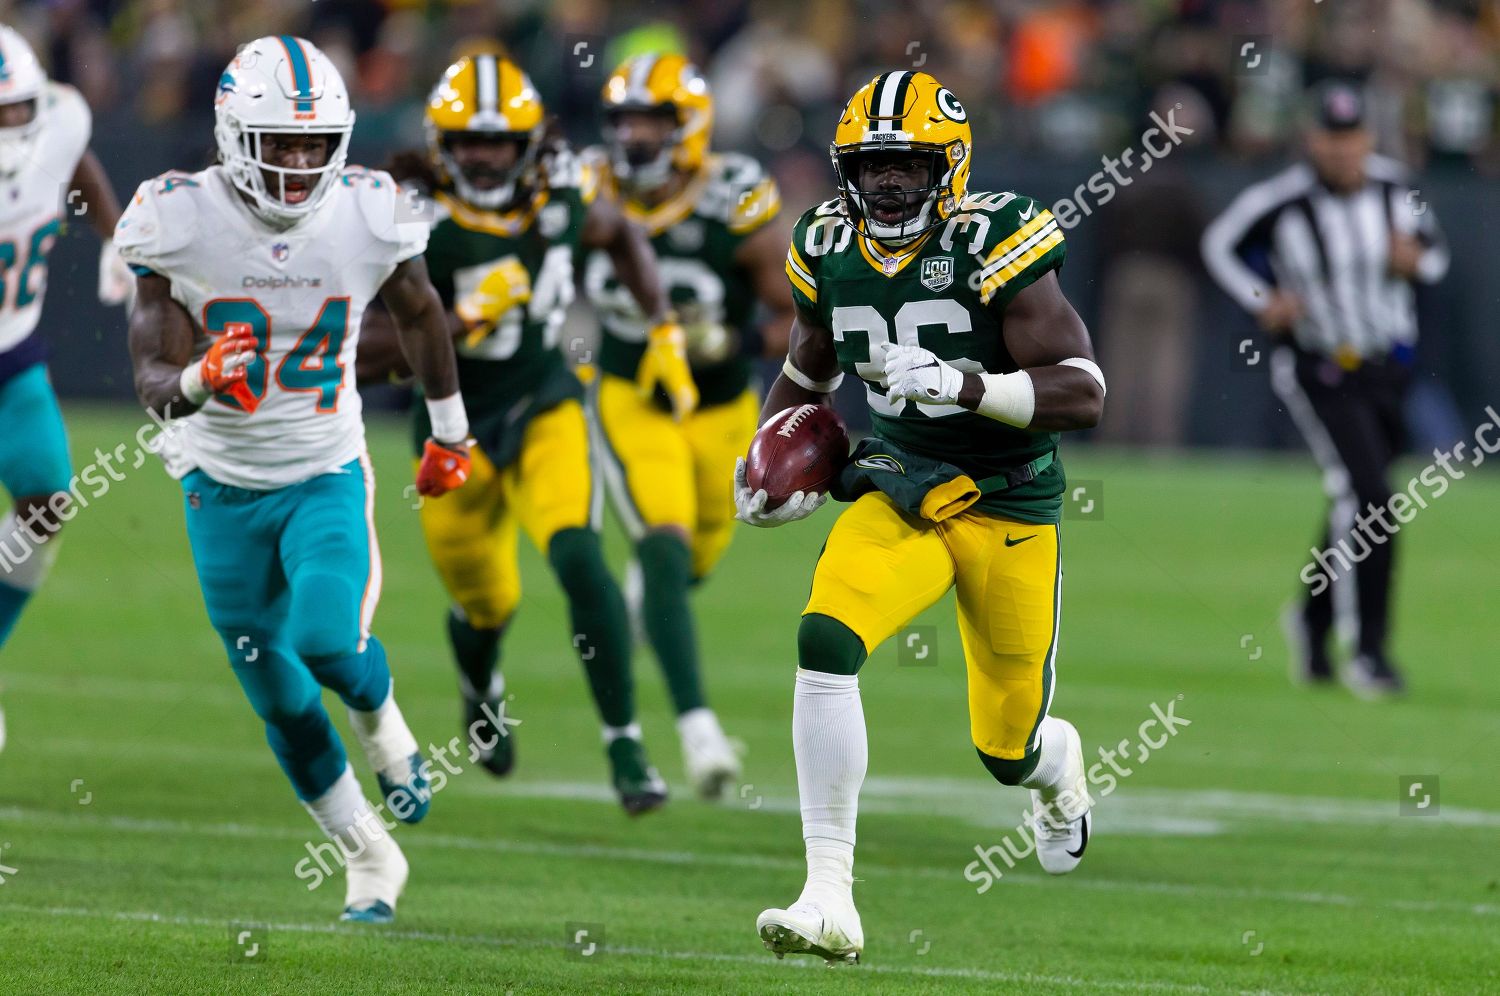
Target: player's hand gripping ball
point(793, 461)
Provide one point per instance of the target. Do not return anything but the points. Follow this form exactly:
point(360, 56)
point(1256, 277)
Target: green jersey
point(696, 235)
point(517, 369)
point(947, 293)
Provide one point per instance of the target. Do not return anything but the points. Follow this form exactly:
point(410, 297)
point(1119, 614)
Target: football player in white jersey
point(268, 259)
point(44, 159)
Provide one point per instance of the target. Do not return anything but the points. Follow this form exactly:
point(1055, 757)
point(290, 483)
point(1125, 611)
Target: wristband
point(1008, 398)
point(190, 385)
point(450, 423)
point(805, 382)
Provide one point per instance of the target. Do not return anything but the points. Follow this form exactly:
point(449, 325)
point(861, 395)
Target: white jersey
point(31, 206)
point(302, 291)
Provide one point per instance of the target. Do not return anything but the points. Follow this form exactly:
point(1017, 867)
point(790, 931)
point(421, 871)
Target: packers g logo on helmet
point(484, 95)
point(666, 83)
point(904, 112)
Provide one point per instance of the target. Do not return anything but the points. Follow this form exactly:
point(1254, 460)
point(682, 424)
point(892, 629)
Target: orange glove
point(445, 466)
point(223, 368)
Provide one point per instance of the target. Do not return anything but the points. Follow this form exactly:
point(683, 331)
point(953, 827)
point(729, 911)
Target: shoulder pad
point(834, 205)
point(739, 193)
point(1014, 239)
point(398, 216)
point(160, 219)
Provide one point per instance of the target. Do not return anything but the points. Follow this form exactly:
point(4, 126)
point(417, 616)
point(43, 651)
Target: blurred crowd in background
point(1050, 86)
point(1060, 76)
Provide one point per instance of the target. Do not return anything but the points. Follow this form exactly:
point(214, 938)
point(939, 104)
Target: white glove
point(116, 282)
point(750, 506)
point(913, 372)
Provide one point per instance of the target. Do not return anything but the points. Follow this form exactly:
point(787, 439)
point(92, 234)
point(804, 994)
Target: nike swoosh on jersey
point(1017, 542)
point(1026, 215)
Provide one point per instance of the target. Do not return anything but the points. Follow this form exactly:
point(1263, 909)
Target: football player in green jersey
point(669, 453)
point(945, 302)
point(510, 218)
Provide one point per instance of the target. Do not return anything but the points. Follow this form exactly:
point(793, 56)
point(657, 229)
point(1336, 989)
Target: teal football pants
point(290, 578)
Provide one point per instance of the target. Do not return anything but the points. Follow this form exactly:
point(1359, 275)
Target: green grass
point(1260, 849)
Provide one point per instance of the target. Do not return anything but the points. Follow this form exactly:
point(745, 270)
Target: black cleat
point(639, 786)
point(496, 748)
point(1309, 652)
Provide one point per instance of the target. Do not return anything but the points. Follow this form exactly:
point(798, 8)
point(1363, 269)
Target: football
point(798, 449)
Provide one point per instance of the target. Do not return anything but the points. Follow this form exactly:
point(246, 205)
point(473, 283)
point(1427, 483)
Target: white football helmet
point(21, 80)
point(281, 84)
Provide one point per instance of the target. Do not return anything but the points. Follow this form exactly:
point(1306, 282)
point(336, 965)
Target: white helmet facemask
point(281, 86)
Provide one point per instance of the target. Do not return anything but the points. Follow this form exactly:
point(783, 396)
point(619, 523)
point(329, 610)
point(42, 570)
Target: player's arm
point(167, 379)
point(809, 376)
point(91, 189)
point(665, 361)
point(422, 327)
point(811, 373)
point(763, 256)
point(1050, 343)
point(1058, 386)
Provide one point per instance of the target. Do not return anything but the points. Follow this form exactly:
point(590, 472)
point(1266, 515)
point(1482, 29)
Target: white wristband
point(1087, 366)
point(191, 385)
point(1008, 398)
point(450, 423)
point(805, 382)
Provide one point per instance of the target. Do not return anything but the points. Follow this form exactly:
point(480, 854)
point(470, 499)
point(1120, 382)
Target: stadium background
point(1051, 87)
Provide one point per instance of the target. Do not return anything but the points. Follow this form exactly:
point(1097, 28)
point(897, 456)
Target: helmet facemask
point(240, 150)
point(17, 141)
point(637, 167)
point(484, 186)
point(894, 215)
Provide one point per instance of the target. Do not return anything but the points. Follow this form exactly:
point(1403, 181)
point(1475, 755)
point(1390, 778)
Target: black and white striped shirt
point(1332, 251)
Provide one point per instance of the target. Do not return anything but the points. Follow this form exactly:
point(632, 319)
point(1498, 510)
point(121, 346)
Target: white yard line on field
point(420, 839)
point(756, 961)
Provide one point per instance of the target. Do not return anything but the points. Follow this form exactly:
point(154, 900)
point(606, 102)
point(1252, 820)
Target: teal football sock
point(12, 601)
point(601, 626)
point(667, 570)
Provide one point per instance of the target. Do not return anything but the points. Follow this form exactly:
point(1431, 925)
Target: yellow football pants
point(881, 567)
point(471, 532)
point(661, 472)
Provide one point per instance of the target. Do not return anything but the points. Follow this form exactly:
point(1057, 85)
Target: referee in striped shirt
point(1324, 256)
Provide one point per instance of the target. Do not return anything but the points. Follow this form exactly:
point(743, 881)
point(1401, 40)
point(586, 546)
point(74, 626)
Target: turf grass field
point(144, 825)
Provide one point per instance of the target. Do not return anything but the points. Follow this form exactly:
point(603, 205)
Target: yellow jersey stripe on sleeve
point(1016, 267)
point(800, 281)
point(1019, 236)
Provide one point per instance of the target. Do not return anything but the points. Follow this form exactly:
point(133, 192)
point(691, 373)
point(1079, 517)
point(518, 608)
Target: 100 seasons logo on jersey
point(937, 273)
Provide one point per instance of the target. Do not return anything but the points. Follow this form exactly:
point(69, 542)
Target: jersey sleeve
point(157, 225)
point(1025, 243)
point(801, 266)
point(400, 218)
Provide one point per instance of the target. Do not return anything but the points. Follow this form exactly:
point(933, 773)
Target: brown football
point(800, 449)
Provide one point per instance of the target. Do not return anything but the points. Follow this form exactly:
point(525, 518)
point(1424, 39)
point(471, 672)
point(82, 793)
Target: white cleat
point(1062, 827)
point(823, 924)
point(710, 758)
point(375, 878)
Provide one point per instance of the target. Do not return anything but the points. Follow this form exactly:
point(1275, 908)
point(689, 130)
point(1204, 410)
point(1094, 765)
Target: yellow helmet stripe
point(888, 100)
point(486, 84)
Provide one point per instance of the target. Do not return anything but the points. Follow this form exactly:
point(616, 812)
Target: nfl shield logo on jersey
point(937, 273)
point(280, 251)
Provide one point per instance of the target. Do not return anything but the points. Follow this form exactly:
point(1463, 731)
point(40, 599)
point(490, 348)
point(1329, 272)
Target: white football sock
point(828, 740)
point(346, 816)
point(613, 733)
point(386, 738)
point(26, 555)
point(1051, 775)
